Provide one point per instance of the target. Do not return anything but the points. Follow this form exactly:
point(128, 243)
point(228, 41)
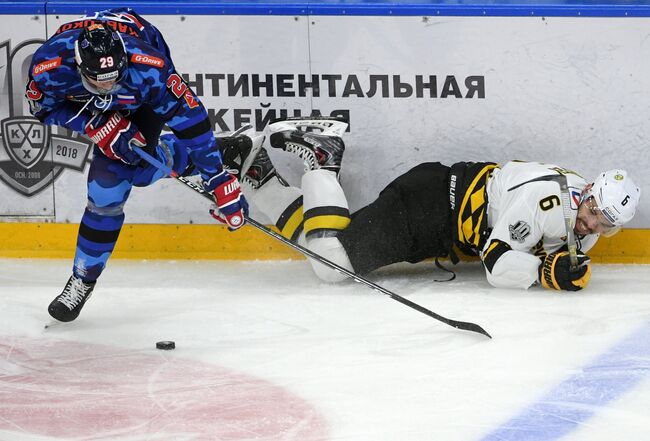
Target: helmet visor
point(604, 226)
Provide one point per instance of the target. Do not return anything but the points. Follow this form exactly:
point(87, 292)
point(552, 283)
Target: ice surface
point(267, 352)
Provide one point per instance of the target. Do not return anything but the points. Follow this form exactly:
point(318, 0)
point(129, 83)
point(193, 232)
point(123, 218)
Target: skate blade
point(328, 126)
point(53, 323)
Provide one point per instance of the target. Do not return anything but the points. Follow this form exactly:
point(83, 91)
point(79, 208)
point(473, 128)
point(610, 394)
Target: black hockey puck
point(165, 345)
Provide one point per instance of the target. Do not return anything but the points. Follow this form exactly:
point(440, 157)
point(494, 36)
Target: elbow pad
point(496, 249)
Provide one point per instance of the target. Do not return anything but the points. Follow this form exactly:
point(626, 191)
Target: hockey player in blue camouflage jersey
point(110, 76)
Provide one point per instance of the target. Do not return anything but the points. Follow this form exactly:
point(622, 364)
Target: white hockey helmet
point(615, 196)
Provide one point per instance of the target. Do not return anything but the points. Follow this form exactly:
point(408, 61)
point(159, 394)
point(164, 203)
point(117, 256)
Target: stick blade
point(472, 327)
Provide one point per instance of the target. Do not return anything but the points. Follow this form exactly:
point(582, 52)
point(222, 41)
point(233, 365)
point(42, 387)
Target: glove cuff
point(547, 273)
point(215, 180)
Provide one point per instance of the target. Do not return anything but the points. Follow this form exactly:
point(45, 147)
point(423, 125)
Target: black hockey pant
point(409, 221)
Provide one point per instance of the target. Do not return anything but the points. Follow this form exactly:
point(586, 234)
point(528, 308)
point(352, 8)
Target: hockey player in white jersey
point(511, 215)
point(527, 224)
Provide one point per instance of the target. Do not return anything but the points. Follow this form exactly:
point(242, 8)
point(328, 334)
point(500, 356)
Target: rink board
point(178, 242)
point(420, 81)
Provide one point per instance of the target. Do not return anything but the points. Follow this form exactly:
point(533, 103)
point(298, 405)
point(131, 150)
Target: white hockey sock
point(325, 206)
point(273, 198)
point(331, 249)
point(281, 204)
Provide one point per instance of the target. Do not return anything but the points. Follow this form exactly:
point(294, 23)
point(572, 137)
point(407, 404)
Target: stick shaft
point(467, 326)
point(568, 222)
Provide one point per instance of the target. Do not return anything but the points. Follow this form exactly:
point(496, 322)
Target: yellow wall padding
point(146, 241)
point(153, 241)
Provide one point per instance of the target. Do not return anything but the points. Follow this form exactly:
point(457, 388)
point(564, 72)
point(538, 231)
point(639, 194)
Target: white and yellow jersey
point(527, 221)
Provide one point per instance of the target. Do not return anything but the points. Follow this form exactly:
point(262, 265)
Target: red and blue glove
point(114, 135)
point(231, 203)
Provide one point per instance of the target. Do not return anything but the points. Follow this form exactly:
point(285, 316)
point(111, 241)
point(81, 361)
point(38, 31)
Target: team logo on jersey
point(32, 93)
point(519, 231)
point(31, 156)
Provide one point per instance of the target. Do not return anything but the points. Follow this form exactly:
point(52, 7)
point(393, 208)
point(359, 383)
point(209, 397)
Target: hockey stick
point(466, 326)
point(568, 222)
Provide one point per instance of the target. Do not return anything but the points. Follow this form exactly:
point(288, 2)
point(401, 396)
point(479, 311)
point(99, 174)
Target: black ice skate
point(261, 171)
point(67, 306)
point(317, 141)
point(239, 149)
point(244, 156)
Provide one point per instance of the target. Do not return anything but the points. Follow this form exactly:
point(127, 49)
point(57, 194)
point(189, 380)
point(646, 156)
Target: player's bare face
point(590, 220)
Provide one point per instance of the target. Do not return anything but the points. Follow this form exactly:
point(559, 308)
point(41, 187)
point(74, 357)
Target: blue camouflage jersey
point(58, 96)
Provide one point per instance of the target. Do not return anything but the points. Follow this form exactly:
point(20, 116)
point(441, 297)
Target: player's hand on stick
point(232, 207)
point(114, 135)
point(555, 272)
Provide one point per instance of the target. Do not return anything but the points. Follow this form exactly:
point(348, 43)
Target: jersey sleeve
point(48, 76)
point(186, 116)
point(55, 112)
point(521, 226)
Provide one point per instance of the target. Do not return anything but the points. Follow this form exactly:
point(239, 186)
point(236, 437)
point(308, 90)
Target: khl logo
point(31, 156)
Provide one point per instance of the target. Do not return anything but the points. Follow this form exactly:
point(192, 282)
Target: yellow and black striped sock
point(320, 219)
point(290, 223)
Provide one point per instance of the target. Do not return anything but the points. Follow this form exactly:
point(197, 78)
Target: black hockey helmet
point(100, 53)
